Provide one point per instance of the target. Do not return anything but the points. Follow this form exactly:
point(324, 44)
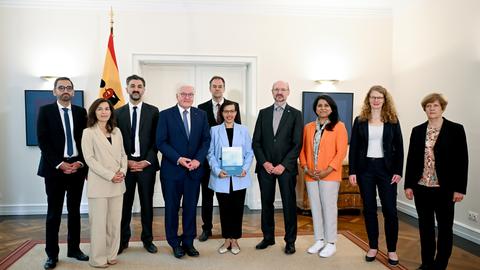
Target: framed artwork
point(34, 99)
point(344, 103)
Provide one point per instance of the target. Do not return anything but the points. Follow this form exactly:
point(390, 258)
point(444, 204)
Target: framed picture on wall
point(344, 103)
point(34, 99)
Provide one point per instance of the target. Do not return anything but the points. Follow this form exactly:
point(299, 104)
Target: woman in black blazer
point(436, 175)
point(376, 161)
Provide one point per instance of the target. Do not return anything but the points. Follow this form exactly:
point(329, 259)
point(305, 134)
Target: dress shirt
point(137, 128)
point(70, 116)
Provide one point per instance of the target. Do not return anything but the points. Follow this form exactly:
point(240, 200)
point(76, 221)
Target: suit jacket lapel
point(223, 135)
point(269, 120)
point(176, 115)
point(104, 141)
point(286, 113)
point(58, 120)
point(237, 139)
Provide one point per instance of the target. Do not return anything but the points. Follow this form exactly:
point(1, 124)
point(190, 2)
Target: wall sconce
point(326, 85)
point(330, 82)
point(49, 78)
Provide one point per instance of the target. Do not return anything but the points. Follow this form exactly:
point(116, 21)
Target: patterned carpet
point(350, 255)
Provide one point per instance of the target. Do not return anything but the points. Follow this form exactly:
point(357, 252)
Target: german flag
point(110, 86)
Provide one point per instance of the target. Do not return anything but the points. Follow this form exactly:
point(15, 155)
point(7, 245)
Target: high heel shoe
point(371, 258)
point(235, 248)
point(225, 247)
point(392, 262)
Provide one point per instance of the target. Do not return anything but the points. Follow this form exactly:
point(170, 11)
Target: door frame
point(253, 200)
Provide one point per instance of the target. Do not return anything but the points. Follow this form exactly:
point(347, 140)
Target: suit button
point(274, 140)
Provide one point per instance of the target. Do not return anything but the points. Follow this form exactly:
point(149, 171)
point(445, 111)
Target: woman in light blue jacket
point(230, 189)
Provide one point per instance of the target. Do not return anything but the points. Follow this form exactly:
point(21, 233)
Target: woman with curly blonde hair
point(376, 162)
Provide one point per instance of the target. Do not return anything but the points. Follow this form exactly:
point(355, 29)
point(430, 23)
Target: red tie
point(219, 119)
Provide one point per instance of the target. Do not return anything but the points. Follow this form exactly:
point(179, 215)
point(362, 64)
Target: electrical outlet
point(473, 216)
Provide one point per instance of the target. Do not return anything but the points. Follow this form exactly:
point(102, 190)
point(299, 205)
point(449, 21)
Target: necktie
point(68, 131)
point(185, 122)
point(133, 130)
point(219, 119)
point(277, 115)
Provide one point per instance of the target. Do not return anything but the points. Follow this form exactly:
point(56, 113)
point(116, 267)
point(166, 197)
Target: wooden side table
point(348, 195)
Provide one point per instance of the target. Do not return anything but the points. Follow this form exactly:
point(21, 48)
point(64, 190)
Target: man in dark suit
point(183, 138)
point(211, 107)
point(59, 130)
point(138, 122)
point(277, 141)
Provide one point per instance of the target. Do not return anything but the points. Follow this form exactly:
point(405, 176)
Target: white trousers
point(323, 196)
point(105, 216)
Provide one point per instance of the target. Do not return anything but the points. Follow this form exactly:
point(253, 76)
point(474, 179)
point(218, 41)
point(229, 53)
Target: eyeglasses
point(187, 95)
point(376, 98)
point(62, 88)
point(229, 111)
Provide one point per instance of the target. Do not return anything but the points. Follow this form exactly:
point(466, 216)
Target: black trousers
point(231, 212)
point(377, 176)
point(434, 203)
point(56, 188)
point(286, 182)
point(146, 184)
point(207, 202)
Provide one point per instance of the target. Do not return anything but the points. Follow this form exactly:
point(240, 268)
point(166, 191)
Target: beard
point(135, 96)
point(66, 97)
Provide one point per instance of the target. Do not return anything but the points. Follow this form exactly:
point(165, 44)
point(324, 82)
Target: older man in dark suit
point(277, 141)
point(138, 122)
point(59, 130)
point(183, 138)
point(211, 107)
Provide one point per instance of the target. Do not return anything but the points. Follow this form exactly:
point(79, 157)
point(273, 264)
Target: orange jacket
point(333, 148)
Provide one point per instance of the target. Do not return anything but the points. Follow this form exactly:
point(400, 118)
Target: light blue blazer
point(241, 138)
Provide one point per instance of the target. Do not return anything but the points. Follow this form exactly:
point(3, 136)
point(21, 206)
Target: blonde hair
point(388, 114)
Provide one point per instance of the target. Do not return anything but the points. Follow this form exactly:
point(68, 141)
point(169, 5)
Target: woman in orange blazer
point(325, 143)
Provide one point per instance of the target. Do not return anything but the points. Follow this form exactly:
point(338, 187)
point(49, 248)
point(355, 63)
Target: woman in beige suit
point(102, 146)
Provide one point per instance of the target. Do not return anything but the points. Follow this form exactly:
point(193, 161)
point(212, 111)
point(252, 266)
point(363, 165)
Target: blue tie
point(133, 130)
point(68, 132)
point(185, 122)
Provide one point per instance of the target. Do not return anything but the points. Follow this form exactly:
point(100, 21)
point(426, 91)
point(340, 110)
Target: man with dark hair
point(59, 130)
point(138, 122)
point(211, 107)
point(277, 141)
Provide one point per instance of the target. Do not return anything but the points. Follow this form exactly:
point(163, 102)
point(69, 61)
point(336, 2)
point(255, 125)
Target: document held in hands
point(232, 160)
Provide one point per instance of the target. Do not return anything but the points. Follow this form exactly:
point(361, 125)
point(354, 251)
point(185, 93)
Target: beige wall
point(436, 47)
point(299, 49)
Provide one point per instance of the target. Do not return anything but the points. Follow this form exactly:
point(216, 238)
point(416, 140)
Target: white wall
point(356, 50)
point(436, 47)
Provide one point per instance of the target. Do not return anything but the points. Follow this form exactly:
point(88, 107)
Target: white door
point(162, 80)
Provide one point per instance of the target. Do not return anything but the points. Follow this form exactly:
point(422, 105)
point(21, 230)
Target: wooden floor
point(14, 230)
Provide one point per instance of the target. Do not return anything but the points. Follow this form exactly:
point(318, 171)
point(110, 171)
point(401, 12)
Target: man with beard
point(277, 141)
point(59, 130)
point(211, 107)
point(138, 122)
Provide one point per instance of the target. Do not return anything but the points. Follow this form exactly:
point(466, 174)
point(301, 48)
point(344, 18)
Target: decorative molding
point(460, 229)
point(338, 8)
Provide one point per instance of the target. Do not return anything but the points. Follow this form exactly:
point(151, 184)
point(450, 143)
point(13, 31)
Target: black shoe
point(79, 255)
point(150, 247)
point(290, 248)
point(204, 236)
point(265, 243)
point(122, 247)
point(424, 267)
point(392, 262)
point(371, 259)
point(50, 263)
point(178, 252)
point(191, 251)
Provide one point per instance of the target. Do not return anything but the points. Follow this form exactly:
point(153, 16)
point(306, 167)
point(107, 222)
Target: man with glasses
point(138, 122)
point(183, 138)
point(59, 130)
point(277, 141)
point(211, 107)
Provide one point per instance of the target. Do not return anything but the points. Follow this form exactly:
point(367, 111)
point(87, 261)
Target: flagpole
point(111, 20)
